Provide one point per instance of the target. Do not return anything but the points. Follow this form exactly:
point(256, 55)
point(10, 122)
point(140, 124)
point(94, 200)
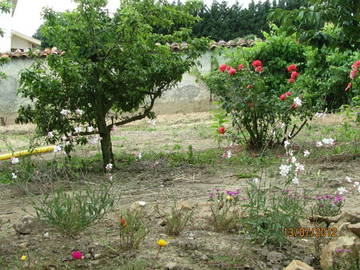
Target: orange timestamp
point(317, 232)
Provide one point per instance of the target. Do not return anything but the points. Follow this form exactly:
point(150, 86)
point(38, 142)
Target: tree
point(4, 8)
point(111, 72)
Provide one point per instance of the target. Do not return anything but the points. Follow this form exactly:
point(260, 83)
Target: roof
point(173, 46)
point(27, 38)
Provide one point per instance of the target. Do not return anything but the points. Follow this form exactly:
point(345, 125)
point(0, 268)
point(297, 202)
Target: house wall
point(188, 96)
point(20, 43)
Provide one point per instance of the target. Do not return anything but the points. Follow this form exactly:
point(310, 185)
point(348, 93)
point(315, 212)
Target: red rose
point(77, 255)
point(221, 130)
point(232, 71)
point(294, 75)
point(282, 97)
point(259, 69)
point(291, 80)
point(240, 67)
point(288, 93)
point(250, 86)
point(353, 74)
point(256, 63)
point(292, 68)
point(293, 106)
point(222, 67)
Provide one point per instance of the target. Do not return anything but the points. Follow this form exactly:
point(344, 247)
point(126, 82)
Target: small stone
point(162, 223)
point(298, 265)
point(26, 225)
point(23, 245)
point(275, 256)
point(204, 257)
point(46, 235)
point(171, 266)
point(95, 262)
point(97, 256)
point(355, 228)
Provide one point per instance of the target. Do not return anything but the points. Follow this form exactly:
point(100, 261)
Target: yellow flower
point(23, 258)
point(229, 198)
point(162, 243)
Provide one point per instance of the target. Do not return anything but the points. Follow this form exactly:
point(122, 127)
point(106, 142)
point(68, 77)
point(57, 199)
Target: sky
point(27, 17)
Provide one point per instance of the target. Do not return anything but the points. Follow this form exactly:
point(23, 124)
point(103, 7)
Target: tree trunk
point(106, 146)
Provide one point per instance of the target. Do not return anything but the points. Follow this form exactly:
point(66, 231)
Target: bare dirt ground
point(158, 180)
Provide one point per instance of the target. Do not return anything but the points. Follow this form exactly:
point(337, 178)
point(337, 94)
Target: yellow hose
point(38, 150)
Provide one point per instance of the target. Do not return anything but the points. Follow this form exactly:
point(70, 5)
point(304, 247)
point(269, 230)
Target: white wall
point(5, 25)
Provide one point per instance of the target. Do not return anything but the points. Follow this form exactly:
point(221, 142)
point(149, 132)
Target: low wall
point(188, 96)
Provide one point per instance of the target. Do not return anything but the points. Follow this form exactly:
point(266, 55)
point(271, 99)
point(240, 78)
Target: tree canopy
point(112, 70)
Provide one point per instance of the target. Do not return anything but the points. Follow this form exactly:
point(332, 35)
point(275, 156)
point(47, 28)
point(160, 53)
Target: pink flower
point(294, 106)
point(288, 94)
point(259, 69)
point(353, 74)
point(291, 80)
point(282, 97)
point(240, 67)
point(294, 75)
point(77, 255)
point(257, 63)
point(222, 67)
point(292, 68)
point(249, 86)
point(348, 87)
point(228, 67)
point(232, 71)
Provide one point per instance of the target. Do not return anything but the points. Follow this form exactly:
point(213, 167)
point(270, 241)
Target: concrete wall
point(187, 96)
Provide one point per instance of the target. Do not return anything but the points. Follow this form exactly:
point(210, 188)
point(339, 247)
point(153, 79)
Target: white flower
point(141, 203)
point(293, 159)
point(63, 138)
point(299, 167)
point(57, 148)
point(329, 141)
point(94, 139)
point(341, 190)
point(13, 176)
point(319, 144)
point(109, 166)
point(295, 180)
point(359, 189)
point(139, 156)
point(297, 101)
point(90, 128)
point(319, 115)
point(290, 152)
point(227, 154)
point(14, 160)
point(110, 177)
point(356, 184)
point(46, 235)
point(77, 129)
point(79, 112)
point(286, 144)
point(50, 134)
point(285, 169)
point(256, 180)
point(306, 153)
point(282, 125)
point(65, 112)
point(348, 179)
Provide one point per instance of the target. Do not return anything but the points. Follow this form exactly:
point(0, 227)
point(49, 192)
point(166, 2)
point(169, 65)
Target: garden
point(268, 180)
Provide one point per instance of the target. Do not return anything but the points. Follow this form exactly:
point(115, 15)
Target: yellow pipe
point(38, 150)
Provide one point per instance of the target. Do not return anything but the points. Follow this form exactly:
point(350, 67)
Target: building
point(14, 40)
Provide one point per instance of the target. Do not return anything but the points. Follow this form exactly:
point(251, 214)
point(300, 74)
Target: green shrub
point(74, 212)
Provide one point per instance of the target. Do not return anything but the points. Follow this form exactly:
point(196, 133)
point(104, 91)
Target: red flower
point(282, 97)
point(356, 65)
point(293, 106)
point(250, 104)
point(240, 67)
point(250, 86)
point(222, 67)
point(294, 75)
point(348, 87)
point(288, 93)
point(259, 69)
point(232, 71)
point(353, 74)
point(228, 67)
point(123, 222)
point(291, 80)
point(292, 68)
point(221, 130)
point(256, 63)
point(77, 255)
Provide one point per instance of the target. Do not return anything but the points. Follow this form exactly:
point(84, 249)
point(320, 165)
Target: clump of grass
point(132, 230)
point(72, 213)
point(177, 219)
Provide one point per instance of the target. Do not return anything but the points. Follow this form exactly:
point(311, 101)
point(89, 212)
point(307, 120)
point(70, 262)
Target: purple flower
point(338, 199)
point(211, 195)
point(328, 196)
point(341, 250)
point(232, 193)
point(286, 190)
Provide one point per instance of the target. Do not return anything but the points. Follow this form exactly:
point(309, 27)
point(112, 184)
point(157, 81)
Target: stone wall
point(188, 96)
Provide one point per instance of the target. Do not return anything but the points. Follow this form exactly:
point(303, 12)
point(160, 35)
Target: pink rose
point(259, 69)
point(240, 67)
point(222, 67)
point(232, 71)
point(77, 255)
point(282, 97)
